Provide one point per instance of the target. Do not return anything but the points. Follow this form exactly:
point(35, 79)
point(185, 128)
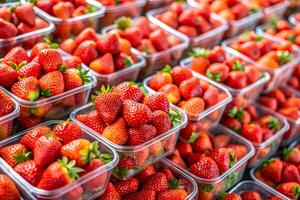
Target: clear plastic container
point(293, 20)
point(7, 44)
point(205, 40)
point(6, 121)
point(269, 147)
point(82, 21)
point(277, 10)
point(264, 191)
point(278, 76)
point(63, 192)
point(243, 96)
point(232, 176)
point(62, 104)
point(132, 9)
point(157, 61)
point(153, 4)
point(143, 154)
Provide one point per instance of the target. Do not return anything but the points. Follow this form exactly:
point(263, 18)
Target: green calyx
point(91, 9)
point(214, 76)
point(123, 23)
point(84, 75)
point(292, 39)
point(22, 157)
point(120, 173)
point(259, 38)
point(284, 57)
point(296, 192)
point(272, 23)
point(128, 62)
point(267, 162)
point(70, 166)
point(140, 86)
point(62, 68)
point(93, 153)
point(236, 113)
point(192, 138)
point(17, 67)
point(49, 40)
point(146, 50)
point(232, 158)
point(230, 180)
point(287, 152)
point(33, 95)
point(46, 93)
point(175, 117)
point(207, 188)
point(166, 69)
point(238, 66)
point(199, 52)
point(174, 184)
point(273, 124)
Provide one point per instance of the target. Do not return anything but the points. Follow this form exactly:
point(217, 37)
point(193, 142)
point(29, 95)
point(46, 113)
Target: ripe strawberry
point(180, 74)
point(190, 88)
point(29, 121)
point(71, 62)
point(125, 164)
point(103, 64)
point(290, 173)
point(92, 120)
point(117, 132)
point(269, 102)
point(59, 174)
point(128, 186)
point(110, 193)
point(108, 106)
point(157, 182)
point(7, 30)
point(162, 121)
point(130, 90)
point(108, 43)
point(223, 157)
point(52, 83)
point(136, 114)
point(211, 96)
point(134, 35)
point(157, 101)
point(141, 134)
point(172, 92)
point(172, 194)
point(74, 78)
point(33, 135)
point(67, 131)
point(272, 169)
point(185, 149)
point(232, 196)
point(193, 107)
point(251, 195)
point(147, 171)
point(29, 171)
point(273, 198)
point(50, 59)
point(202, 143)
point(292, 155)
point(252, 132)
point(157, 38)
point(239, 151)
point(86, 34)
point(26, 89)
point(236, 79)
point(26, 14)
point(6, 104)
point(43, 110)
point(161, 78)
point(17, 55)
point(36, 49)
point(8, 189)
point(8, 75)
point(31, 69)
point(14, 154)
point(291, 189)
point(5, 13)
point(6, 129)
point(205, 167)
point(46, 150)
point(86, 51)
point(143, 194)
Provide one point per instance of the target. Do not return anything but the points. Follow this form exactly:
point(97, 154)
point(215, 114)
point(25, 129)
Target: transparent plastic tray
point(167, 141)
point(246, 95)
point(157, 61)
point(278, 76)
point(61, 193)
point(133, 9)
point(264, 191)
point(153, 4)
point(269, 147)
point(19, 39)
point(293, 20)
point(205, 40)
point(233, 175)
point(60, 108)
point(238, 26)
point(276, 10)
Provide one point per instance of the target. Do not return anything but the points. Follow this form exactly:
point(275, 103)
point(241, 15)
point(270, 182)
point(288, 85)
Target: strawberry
point(292, 155)
point(125, 164)
point(16, 55)
point(68, 45)
point(190, 88)
point(269, 102)
point(180, 74)
point(6, 129)
point(74, 78)
point(110, 193)
point(50, 59)
point(71, 62)
point(52, 83)
point(29, 121)
point(223, 157)
point(232, 196)
point(92, 120)
point(252, 132)
point(236, 79)
point(26, 14)
point(157, 101)
point(117, 132)
point(202, 143)
point(290, 189)
point(290, 173)
point(161, 121)
point(272, 169)
point(211, 96)
point(273, 198)
point(108, 105)
point(5, 13)
point(43, 110)
point(130, 90)
point(46, 150)
point(8, 189)
point(108, 43)
point(157, 38)
point(59, 174)
point(193, 107)
point(103, 64)
point(97, 182)
point(251, 195)
point(8, 76)
point(7, 30)
point(14, 154)
point(134, 35)
point(185, 149)
point(149, 194)
point(67, 131)
point(128, 186)
point(147, 171)
point(29, 171)
point(239, 151)
point(141, 134)
point(157, 182)
point(172, 92)
point(269, 122)
point(63, 10)
point(172, 194)
point(33, 135)
point(86, 34)
point(36, 49)
point(31, 69)
point(205, 167)
point(26, 89)
point(178, 161)
point(136, 114)
point(6, 104)
point(161, 78)
point(86, 51)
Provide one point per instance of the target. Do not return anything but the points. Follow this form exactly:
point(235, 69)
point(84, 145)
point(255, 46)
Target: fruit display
point(240, 15)
point(152, 4)
point(158, 46)
point(294, 80)
point(283, 102)
point(295, 18)
point(260, 127)
point(203, 28)
point(216, 160)
point(281, 173)
point(58, 159)
point(143, 128)
point(110, 58)
point(21, 24)
point(9, 110)
point(277, 58)
point(160, 181)
point(116, 9)
point(46, 83)
point(249, 190)
point(70, 16)
point(243, 80)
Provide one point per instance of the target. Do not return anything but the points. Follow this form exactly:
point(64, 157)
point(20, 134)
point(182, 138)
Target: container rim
point(114, 9)
point(14, 114)
point(293, 20)
point(279, 6)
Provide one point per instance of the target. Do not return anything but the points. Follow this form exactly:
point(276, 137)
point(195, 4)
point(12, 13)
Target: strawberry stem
point(70, 166)
point(214, 76)
point(199, 52)
point(238, 66)
point(166, 69)
point(284, 57)
point(175, 117)
point(22, 157)
point(123, 23)
point(236, 113)
point(273, 124)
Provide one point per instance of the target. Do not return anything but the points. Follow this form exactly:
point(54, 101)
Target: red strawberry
point(172, 194)
point(33, 135)
point(8, 189)
point(232, 196)
point(125, 164)
point(5, 13)
point(129, 90)
point(136, 114)
point(149, 194)
point(290, 189)
point(8, 75)
point(147, 171)
point(63, 10)
point(17, 55)
point(92, 120)
point(185, 149)
point(7, 30)
point(205, 168)
point(46, 150)
point(14, 154)
point(117, 132)
point(6, 104)
point(237, 79)
point(94, 184)
point(252, 132)
point(86, 34)
point(31, 69)
point(161, 121)
point(202, 143)
point(157, 182)
point(110, 193)
point(86, 51)
point(290, 173)
point(223, 157)
point(128, 186)
point(29, 121)
point(239, 151)
point(103, 64)
point(26, 89)
point(68, 131)
point(134, 35)
point(59, 174)
point(6, 129)
point(26, 14)
point(193, 107)
point(250, 49)
point(157, 101)
point(190, 88)
point(74, 78)
point(71, 62)
point(139, 135)
point(108, 43)
point(158, 39)
point(36, 49)
point(251, 195)
point(52, 83)
point(269, 102)
point(29, 171)
point(272, 169)
point(292, 155)
point(50, 59)
point(180, 74)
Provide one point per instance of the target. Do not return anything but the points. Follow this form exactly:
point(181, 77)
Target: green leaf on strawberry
point(46, 93)
point(166, 69)
point(175, 117)
point(84, 75)
point(192, 138)
point(214, 76)
point(230, 180)
point(238, 66)
point(199, 52)
point(232, 158)
point(123, 23)
point(174, 184)
point(273, 124)
point(236, 113)
point(272, 23)
point(284, 57)
point(127, 61)
point(292, 39)
point(70, 166)
point(207, 188)
point(22, 157)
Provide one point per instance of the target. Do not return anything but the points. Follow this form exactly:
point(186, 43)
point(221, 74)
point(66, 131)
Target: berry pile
point(113, 3)
point(265, 3)
point(248, 195)
point(294, 80)
point(7, 106)
point(8, 188)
